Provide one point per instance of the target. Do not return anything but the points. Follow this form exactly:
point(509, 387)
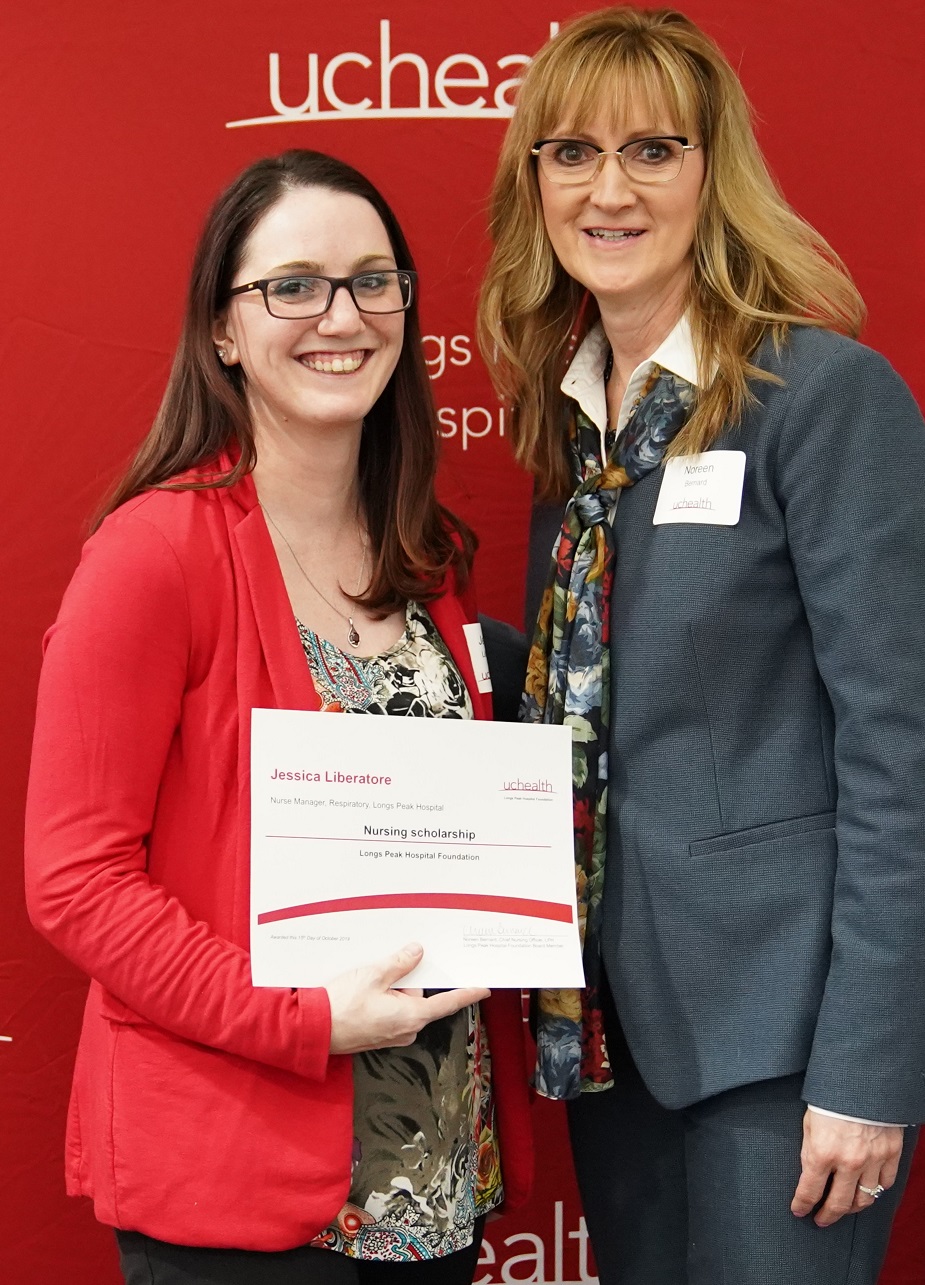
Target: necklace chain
point(353, 634)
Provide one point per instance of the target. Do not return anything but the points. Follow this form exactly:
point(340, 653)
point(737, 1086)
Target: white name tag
point(477, 656)
point(702, 488)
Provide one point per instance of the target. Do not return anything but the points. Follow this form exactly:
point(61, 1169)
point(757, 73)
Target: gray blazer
point(765, 885)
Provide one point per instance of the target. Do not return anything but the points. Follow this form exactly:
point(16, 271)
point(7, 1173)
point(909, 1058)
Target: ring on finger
point(874, 1192)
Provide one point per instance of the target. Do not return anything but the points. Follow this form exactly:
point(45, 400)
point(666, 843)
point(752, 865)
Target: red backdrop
point(119, 124)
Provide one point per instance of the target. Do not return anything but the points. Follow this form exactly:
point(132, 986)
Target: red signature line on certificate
point(434, 843)
point(559, 911)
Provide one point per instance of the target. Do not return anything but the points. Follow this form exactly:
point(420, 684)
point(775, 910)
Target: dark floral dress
point(425, 1149)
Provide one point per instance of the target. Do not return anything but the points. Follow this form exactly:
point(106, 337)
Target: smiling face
point(629, 243)
point(323, 372)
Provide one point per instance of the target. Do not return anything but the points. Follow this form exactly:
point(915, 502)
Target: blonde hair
point(757, 267)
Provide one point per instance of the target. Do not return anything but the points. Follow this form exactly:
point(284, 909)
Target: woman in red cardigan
point(277, 542)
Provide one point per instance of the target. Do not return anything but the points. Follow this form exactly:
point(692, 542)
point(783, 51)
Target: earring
point(221, 354)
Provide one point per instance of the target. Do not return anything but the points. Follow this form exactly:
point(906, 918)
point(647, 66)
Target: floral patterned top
point(425, 1150)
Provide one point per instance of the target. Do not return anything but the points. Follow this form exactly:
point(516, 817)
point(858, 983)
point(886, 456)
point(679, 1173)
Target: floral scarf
point(568, 682)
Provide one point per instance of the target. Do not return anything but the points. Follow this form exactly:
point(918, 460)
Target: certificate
point(370, 832)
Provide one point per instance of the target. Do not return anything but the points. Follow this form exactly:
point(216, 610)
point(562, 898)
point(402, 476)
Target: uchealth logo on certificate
point(361, 84)
point(516, 787)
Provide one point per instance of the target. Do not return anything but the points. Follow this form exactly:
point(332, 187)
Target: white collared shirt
point(584, 383)
point(584, 379)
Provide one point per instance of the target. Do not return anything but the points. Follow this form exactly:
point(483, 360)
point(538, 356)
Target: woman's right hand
point(367, 1013)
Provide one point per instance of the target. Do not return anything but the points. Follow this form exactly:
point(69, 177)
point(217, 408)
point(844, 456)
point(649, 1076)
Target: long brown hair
point(204, 410)
point(757, 267)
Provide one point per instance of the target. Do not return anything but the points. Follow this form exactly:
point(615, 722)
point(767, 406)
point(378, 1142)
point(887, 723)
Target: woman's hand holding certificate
point(368, 1012)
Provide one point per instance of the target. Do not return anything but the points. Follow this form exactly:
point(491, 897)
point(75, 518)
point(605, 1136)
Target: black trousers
point(145, 1261)
point(701, 1196)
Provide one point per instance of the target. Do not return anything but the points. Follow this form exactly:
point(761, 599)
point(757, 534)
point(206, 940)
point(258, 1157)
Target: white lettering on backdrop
point(455, 84)
point(466, 422)
point(543, 1260)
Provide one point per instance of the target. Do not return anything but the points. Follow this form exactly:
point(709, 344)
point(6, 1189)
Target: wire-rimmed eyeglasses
point(297, 297)
point(645, 160)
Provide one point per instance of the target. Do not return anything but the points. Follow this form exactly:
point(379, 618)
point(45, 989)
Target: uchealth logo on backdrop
point(527, 1256)
point(453, 88)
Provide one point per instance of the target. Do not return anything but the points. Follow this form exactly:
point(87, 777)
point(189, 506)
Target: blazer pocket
point(761, 834)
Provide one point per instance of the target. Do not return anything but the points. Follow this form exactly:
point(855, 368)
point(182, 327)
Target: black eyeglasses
point(297, 298)
point(645, 160)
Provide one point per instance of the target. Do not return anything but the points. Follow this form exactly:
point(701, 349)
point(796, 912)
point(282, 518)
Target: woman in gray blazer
point(737, 645)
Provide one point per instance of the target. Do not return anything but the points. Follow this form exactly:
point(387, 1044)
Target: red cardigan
point(203, 1111)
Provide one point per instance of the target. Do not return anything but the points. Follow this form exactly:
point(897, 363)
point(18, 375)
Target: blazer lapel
point(268, 640)
point(272, 613)
point(261, 585)
point(271, 668)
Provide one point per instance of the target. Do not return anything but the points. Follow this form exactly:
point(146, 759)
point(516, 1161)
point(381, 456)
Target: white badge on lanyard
point(703, 488)
point(478, 656)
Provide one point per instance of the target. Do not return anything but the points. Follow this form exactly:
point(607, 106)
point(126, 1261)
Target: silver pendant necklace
point(353, 634)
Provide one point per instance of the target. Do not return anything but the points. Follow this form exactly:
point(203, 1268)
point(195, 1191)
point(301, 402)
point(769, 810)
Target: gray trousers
point(701, 1196)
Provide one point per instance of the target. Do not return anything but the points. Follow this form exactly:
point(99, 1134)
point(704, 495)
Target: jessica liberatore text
point(334, 778)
